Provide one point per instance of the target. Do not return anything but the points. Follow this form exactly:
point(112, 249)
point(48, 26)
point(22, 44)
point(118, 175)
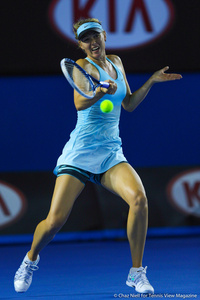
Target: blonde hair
point(82, 21)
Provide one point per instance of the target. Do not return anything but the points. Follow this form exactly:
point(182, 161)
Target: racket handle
point(105, 84)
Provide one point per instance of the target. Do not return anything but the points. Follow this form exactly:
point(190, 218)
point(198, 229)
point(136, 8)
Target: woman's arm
point(132, 100)
point(82, 102)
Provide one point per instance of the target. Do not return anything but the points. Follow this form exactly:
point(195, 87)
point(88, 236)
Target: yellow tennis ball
point(106, 106)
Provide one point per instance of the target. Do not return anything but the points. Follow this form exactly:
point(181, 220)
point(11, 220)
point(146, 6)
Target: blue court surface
point(98, 269)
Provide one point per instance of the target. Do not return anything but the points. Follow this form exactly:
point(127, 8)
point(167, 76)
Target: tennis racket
point(79, 79)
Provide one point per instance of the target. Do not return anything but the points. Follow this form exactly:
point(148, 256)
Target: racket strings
point(79, 79)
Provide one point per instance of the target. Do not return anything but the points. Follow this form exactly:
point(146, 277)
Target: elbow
point(127, 104)
point(78, 105)
point(129, 108)
point(81, 105)
point(79, 108)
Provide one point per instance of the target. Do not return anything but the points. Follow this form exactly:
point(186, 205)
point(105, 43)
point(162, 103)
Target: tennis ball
point(106, 106)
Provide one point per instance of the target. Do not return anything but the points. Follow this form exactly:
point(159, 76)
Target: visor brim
point(88, 30)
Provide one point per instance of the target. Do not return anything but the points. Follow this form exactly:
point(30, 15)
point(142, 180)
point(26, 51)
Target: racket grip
point(105, 84)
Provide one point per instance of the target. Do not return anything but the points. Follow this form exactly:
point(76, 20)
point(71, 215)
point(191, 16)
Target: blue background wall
point(38, 114)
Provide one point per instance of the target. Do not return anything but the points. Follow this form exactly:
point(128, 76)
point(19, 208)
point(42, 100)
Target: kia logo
point(12, 204)
point(128, 24)
point(184, 192)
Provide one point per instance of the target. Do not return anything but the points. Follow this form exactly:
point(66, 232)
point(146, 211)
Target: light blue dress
point(94, 144)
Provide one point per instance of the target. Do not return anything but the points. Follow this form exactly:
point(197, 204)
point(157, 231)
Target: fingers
point(175, 76)
point(111, 89)
point(161, 76)
point(165, 68)
point(172, 75)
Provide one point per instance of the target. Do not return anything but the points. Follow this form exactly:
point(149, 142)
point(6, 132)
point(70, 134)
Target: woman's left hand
point(161, 76)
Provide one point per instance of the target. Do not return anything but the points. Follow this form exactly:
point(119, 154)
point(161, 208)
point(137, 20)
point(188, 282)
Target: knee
point(138, 201)
point(54, 223)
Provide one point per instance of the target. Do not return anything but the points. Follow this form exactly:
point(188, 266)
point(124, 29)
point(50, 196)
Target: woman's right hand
point(111, 89)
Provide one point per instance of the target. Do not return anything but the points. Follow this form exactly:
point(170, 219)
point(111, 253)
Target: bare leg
point(125, 182)
point(67, 189)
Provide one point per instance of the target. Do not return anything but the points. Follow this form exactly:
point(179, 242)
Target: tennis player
point(94, 153)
